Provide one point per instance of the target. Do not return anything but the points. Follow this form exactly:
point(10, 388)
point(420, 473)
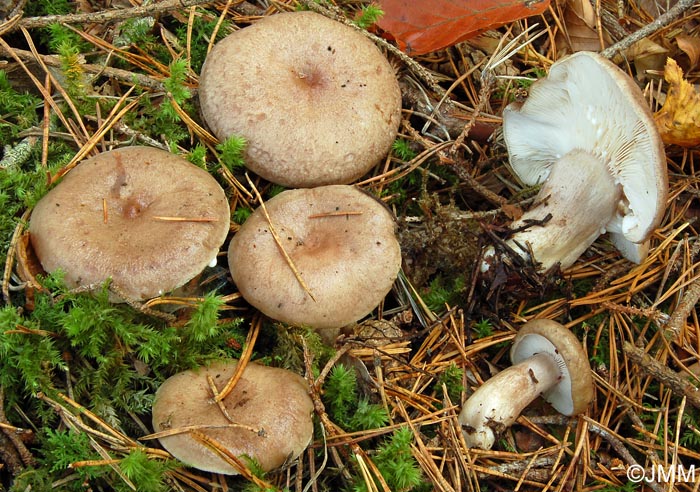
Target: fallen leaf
point(690, 45)
point(423, 26)
point(646, 55)
point(679, 118)
point(580, 32)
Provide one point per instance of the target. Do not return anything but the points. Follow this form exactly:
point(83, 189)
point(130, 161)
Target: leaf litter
point(443, 330)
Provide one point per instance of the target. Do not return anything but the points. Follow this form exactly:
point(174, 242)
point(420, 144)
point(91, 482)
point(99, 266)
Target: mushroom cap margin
point(576, 390)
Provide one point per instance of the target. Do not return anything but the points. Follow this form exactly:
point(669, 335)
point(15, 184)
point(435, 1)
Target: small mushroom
point(587, 135)
point(144, 217)
point(341, 242)
point(548, 361)
point(270, 414)
point(316, 101)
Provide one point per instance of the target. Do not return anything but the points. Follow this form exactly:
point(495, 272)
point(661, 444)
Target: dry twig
point(680, 386)
point(662, 21)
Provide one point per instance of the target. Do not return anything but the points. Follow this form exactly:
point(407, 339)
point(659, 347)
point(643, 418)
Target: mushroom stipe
point(587, 134)
point(548, 360)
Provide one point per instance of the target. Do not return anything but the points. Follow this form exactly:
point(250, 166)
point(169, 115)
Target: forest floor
point(78, 374)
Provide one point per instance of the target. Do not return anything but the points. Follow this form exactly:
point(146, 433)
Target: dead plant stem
point(245, 357)
point(232, 459)
point(651, 367)
point(688, 303)
point(111, 15)
point(13, 434)
point(115, 73)
point(663, 20)
point(276, 237)
point(10, 258)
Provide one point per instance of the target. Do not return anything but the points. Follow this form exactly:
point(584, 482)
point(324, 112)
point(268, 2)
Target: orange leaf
point(679, 118)
point(422, 26)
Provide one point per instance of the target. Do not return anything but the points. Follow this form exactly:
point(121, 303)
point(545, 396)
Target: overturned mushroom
point(269, 416)
point(143, 217)
point(340, 241)
point(549, 361)
point(587, 135)
point(316, 101)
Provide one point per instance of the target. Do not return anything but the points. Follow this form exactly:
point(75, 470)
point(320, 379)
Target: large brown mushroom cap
point(266, 399)
point(316, 101)
point(342, 243)
point(102, 222)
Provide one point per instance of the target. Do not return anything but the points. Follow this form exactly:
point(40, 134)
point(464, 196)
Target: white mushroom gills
point(550, 362)
point(586, 104)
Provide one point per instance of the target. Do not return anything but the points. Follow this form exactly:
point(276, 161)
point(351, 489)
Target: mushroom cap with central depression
point(340, 240)
point(316, 101)
point(270, 414)
point(119, 216)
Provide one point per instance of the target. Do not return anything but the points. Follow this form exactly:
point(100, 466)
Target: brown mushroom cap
point(574, 391)
point(342, 243)
point(316, 101)
point(102, 222)
point(266, 399)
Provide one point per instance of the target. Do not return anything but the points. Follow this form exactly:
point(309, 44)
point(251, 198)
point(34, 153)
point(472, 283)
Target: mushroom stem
point(496, 404)
point(581, 197)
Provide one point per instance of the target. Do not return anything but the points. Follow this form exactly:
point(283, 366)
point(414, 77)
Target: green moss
point(344, 404)
point(231, 152)
point(396, 463)
point(146, 473)
point(202, 29)
point(369, 14)
point(18, 110)
point(241, 214)
point(443, 292)
point(452, 378)
point(157, 114)
point(402, 149)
